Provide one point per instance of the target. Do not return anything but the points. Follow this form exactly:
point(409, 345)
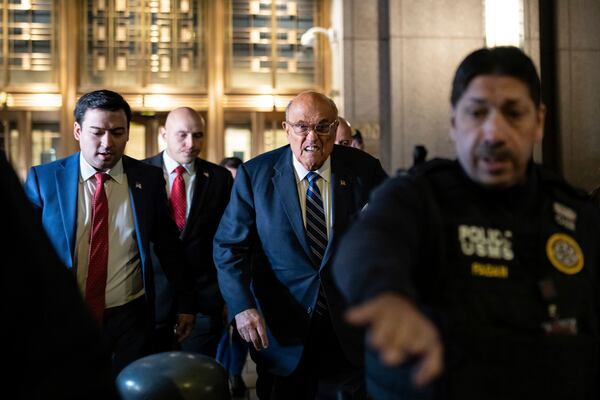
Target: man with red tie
point(198, 193)
point(101, 211)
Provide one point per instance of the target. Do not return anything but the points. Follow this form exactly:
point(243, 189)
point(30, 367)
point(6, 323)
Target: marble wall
point(578, 74)
point(402, 98)
point(427, 39)
point(361, 76)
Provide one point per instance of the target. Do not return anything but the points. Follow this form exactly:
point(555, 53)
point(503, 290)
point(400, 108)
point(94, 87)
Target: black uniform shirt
point(492, 268)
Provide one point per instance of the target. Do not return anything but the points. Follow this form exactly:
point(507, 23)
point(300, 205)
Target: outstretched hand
point(397, 330)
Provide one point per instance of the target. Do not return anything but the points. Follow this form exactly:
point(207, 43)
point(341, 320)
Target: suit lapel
point(342, 186)
point(203, 179)
point(284, 182)
point(67, 180)
point(135, 181)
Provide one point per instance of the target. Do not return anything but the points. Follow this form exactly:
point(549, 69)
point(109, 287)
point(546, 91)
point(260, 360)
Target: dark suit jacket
point(211, 195)
point(53, 189)
point(262, 227)
point(51, 343)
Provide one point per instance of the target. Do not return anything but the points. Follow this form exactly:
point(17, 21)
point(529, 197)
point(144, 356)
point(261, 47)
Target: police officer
point(477, 278)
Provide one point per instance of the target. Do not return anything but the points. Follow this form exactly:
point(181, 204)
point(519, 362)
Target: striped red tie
point(95, 284)
point(178, 198)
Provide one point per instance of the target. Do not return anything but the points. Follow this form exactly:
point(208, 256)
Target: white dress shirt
point(324, 185)
point(189, 177)
point(124, 276)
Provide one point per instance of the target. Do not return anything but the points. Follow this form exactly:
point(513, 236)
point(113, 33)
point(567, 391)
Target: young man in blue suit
point(101, 210)
point(288, 209)
point(206, 189)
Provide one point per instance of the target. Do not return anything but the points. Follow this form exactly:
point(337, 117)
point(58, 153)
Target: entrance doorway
point(29, 138)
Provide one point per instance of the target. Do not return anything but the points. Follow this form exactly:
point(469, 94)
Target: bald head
point(343, 134)
point(318, 99)
point(183, 113)
point(183, 133)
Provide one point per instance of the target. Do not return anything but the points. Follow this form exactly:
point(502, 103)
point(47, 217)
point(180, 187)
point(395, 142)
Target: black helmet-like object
point(174, 375)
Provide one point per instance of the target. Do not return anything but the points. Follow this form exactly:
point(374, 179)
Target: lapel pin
point(342, 182)
point(205, 174)
point(138, 185)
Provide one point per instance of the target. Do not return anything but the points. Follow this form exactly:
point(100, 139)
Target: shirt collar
point(87, 171)
point(171, 164)
point(301, 172)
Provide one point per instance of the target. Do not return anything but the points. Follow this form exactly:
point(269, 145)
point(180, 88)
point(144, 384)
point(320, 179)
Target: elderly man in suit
point(101, 210)
point(198, 192)
point(288, 209)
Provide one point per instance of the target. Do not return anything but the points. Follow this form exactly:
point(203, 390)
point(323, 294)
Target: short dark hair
point(504, 60)
point(101, 99)
point(231, 162)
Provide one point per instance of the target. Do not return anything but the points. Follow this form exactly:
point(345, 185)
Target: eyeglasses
point(322, 128)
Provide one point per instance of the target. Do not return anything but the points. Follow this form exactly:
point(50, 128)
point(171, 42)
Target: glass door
point(9, 133)
point(12, 134)
point(248, 134)
point(29, 138)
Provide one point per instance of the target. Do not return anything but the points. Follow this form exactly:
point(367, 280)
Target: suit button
point(309, 310)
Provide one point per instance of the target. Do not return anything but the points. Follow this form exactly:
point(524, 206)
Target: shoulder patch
point(564, 253)
point(564, 216)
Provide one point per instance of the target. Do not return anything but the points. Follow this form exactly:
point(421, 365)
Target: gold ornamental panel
point(144, 45)
point(265, 54)
point(28, 43)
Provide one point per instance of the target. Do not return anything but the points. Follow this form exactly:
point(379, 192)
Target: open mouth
point(312, 149)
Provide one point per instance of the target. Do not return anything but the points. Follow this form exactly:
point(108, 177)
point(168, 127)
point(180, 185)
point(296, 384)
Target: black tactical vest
point(511, 286)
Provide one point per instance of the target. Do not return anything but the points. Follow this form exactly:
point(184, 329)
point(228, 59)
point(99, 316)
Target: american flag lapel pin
point(343, 182)
point(138, 185)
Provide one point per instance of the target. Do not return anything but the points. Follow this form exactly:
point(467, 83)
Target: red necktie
point(178, 196)
point(95, 284)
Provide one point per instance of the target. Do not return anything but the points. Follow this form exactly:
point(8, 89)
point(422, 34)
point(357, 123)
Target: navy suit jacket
point(263, 257)
point(53, 189)
point(211, 195)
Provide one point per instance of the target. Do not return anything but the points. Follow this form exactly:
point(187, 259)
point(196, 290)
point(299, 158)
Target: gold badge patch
point(564, 253)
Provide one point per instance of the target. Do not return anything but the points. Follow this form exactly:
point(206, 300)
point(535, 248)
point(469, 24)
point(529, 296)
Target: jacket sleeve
point(232, 247)
point(32, 190)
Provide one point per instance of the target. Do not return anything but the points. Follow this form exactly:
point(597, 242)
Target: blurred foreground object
point(173, 375)
point(52, 348)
